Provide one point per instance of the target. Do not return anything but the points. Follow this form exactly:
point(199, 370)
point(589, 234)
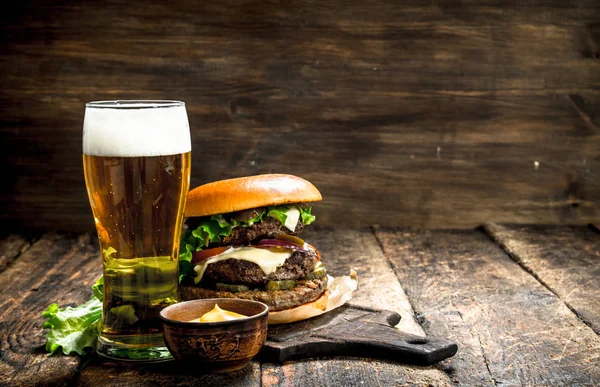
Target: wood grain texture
point(349, 372)
point(342, 249)
point(402, 113)
point(510, 329)
point(565, 259)
point(11, 247)
point(57, 268)
point(100, 373)
point(345, 249)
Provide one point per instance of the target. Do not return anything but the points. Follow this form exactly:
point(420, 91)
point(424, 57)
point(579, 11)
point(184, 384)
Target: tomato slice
point(203, 255)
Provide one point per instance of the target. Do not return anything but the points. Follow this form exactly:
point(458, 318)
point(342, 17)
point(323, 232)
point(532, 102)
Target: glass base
point(132, 352)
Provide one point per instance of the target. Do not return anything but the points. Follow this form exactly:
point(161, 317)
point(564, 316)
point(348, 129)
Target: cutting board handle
point(356, 331)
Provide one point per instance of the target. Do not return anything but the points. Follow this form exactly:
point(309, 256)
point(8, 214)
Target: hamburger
point(241, 239)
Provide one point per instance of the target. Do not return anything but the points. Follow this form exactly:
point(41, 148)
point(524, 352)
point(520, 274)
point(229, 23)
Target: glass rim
point(134, 104)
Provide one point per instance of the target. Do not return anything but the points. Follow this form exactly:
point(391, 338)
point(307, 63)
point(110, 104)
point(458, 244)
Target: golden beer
point(137, 190)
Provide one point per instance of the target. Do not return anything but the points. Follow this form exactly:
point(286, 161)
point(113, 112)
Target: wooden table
point(523, 304)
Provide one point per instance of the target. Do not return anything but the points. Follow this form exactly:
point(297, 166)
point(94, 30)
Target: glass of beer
point(136, 159)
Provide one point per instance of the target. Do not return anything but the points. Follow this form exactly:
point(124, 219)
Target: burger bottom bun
point(339, 291)
point(302, 312)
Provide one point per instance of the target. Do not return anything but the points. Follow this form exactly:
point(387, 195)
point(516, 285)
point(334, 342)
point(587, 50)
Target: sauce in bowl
point(217, 315)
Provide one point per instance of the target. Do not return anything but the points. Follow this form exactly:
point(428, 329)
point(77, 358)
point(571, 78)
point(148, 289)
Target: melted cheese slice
point(267, 259)
point(291, 221)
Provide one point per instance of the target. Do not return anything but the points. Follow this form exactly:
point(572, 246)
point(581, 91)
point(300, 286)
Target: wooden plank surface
point(434, 177)
point(451, 115)
point(510, 329)
point(565, 259)
point(169, 374)
point(11, 247)
point(57, 268)
point(349, 372)
point(342, 249)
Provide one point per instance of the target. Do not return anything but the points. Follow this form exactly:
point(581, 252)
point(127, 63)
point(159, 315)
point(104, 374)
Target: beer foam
point(135, 129)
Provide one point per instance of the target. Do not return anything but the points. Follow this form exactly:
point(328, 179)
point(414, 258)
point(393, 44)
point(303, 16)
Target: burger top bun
point(243, 193)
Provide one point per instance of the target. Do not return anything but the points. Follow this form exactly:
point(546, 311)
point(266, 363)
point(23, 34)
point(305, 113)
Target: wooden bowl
point(217, 346)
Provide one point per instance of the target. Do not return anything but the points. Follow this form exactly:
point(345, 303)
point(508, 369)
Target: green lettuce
point(186, 268)
point(306, 216)
point(279, 213)
point(250, 222)
point(74, 329)
point(213, 230)
point(98, 288)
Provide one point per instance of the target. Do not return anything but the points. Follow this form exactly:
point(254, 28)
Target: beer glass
point(136, 160)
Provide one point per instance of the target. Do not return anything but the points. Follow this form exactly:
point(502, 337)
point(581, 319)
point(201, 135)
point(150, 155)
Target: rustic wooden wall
point(404, 113)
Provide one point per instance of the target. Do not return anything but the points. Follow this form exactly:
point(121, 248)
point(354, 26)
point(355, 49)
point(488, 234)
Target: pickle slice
point(280, 285)
point(231, 288)
point(317, 273)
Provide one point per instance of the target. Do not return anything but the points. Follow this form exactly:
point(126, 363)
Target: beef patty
point(265, 229)
point(234, 271)
point(305, 291)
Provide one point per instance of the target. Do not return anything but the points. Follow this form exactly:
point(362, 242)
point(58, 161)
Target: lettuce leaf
point(98, 288)
point(212, 230)
point(189, 243)
point(74, 329)
point(278, 213)
point(250, 222)
point(306, 216)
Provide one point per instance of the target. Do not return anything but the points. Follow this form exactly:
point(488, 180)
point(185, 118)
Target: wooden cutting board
point(353, 331)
